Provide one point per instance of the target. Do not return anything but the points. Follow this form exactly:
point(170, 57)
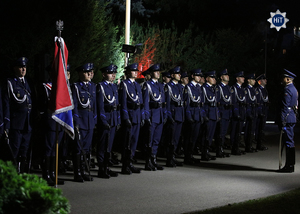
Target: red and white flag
point(61, 102)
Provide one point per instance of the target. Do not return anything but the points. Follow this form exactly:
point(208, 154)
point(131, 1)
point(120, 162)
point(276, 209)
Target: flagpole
point(127, 29)
point(59, 27)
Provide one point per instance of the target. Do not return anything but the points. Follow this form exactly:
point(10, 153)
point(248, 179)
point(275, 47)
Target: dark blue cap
point(86, 67)
point(183, 75)
point(22, 62)
point(166, 74)
point(68, 67)
point(239, 74)
point(251, 76)
point(289, 74)
point(111, 69)
point(260, 77)
point(155, 67)
point(132, 67)
point(196, 72)
point(210, 74)
point(224, 72)
point(144, 73)
point(175, 70)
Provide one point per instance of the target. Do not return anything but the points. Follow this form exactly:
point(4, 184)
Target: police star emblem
point(278, 20)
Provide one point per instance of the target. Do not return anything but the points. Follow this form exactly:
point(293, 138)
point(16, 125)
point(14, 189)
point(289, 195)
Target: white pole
point(127, 29)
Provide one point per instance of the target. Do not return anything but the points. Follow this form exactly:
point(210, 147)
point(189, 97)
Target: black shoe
point(154, 163)
point(87, 177)
point(211, 157)
point(103, 174)
point(261, 147)
point(78, 178)
point(188, 161)
point(236, 152)
point(195, 160)
point(112, 173)
point(287, 169)
point(170, 163)
point(178, 163)
point(47, 178)
point(134, 170)
point(149, 166)
point(126, 170)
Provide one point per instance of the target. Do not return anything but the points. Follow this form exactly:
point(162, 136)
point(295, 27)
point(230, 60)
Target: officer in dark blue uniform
point(251, 113)
point(155, 115)
point(175, 114)
point(194, 112)
point(85, 117)
point(288, 114)
point(108, 119)
point(166, 77)
point(238, 113)
point(17, 105)
point(49, 162)
point(225, 106)
point(211, 112)
point(262, 111)
point(132, 115)
point(147, 75)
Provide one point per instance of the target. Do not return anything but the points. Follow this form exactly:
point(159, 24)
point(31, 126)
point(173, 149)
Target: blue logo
point(278, 20)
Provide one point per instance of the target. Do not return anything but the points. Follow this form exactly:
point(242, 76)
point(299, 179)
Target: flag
point(61, 102)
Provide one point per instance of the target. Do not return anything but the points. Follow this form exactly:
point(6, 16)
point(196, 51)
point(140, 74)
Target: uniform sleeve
point(167, 97)
point(75, 102)
point(123, 102)
point(286, 103)
point(100, 105)
point(186, 100)
point(145, 92)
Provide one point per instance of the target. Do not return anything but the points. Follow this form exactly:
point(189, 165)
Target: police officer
point(132, 115)
point(262, 111)
point(194, 112)
point(288, 112)
point(238, 113)
point(155, 115)
point(17, 104)
point(166, 77)
point(224, 103)
point(175, 112)
point(85, 117)
point(211, 112)
point(108, 119)
point(147, 75)
point(49, 162)
point(251, 113)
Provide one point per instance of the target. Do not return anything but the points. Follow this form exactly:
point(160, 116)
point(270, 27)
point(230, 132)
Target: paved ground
point(185, 189)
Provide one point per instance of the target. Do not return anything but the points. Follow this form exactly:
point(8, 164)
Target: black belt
point(242, 104)
point(252, 105)
point(226, 106)
point(212, 104)
point(110, 108)
point(134, 106)
point(157, 105)
point(194, 104)
point(177, 104)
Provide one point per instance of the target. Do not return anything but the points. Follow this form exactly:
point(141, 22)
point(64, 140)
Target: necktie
point(22, 81)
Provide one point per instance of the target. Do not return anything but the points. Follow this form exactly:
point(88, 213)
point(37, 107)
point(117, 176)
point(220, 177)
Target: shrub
point(27, 193)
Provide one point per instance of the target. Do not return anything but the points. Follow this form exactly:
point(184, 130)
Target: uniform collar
point(174, 82)
point(250, 86)
point(194, 83)
point(208, 84)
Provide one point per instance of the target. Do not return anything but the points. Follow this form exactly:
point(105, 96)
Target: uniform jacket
point(238, 101)
point(17, 104)
point(108, 108)
point(224, 94)
point(131, 101)
point(250, 94)
point(85, 108)
point(262, 100)
point(174, 99)
point(288, 101)
point(43, 107)
point(154, 101)
point(210, 103)
point(194, 101)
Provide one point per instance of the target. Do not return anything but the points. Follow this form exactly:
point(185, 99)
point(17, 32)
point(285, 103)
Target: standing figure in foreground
point(224, 101)
point(132, 115)
point(108, 119)
point(262, 111)
point(17, 105)
point(238, 113)
point(175, 111)
point(194, 112)
point(154, 102)
point(85, 117)
point(288, 112)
